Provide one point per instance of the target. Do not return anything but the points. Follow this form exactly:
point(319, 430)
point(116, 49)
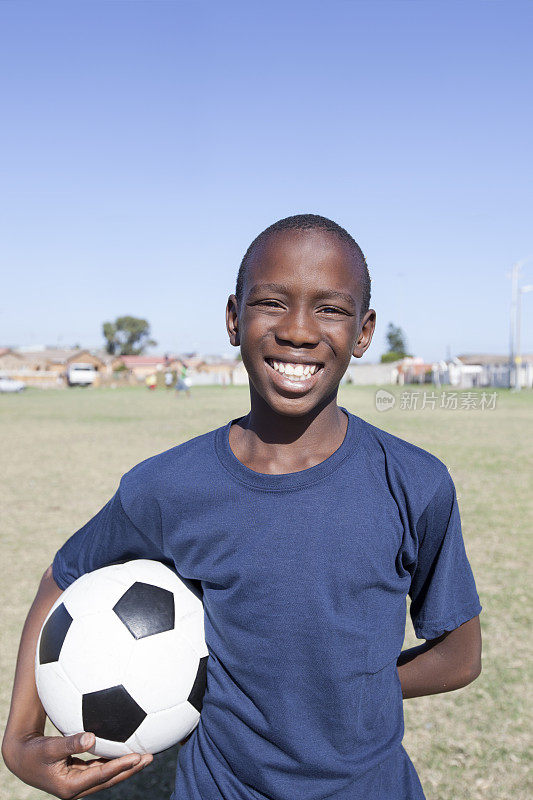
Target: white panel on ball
point(81, 592)
point(96, 651)
point(186, 601)
point(167, 656)
point(106, 749)
point(166, 728)
point(60, 698)
point(191, 627)
point(135, 746)
point(96, 591)
point(154, 572)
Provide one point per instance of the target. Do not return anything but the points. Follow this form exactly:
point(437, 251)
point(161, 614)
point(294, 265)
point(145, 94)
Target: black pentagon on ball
point(146, 609)
point(53, 635)
point(111, 714)
point(196, 697)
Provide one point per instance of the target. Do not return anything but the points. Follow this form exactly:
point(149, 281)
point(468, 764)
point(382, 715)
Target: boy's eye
point(275, 303)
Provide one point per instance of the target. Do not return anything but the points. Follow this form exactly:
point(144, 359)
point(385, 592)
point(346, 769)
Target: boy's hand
point(50, 764)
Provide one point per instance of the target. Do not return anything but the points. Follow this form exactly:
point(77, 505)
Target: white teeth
point(297, 372)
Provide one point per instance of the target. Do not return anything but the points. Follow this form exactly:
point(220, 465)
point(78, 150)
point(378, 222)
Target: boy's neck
point(274, 443)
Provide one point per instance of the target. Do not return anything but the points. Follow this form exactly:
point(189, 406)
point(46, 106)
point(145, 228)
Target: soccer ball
point(122, 654)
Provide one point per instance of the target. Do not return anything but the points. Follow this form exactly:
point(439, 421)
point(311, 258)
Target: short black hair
point(301, 222)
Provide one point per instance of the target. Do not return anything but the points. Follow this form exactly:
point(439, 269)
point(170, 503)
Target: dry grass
point(63, 453)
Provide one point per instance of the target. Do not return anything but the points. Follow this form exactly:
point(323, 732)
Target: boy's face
point(290, 314)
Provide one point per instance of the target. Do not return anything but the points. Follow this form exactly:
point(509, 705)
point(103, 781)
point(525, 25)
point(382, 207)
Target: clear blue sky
point(145, 144)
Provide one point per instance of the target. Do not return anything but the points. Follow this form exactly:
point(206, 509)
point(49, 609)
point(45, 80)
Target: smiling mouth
point(295, 373)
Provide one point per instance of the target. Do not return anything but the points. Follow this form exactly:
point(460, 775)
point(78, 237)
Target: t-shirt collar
point(290, 480)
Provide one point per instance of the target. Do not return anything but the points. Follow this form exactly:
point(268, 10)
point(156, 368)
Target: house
point(413, 369)
point(138, 368)
point(57, 359)
point(192, 360)
point(10, 361)
point(368, 374)
point(494, 369)
point(239, 376)
point(107, 361)
point(46, 366)
point(484, 369)
point(212, 370)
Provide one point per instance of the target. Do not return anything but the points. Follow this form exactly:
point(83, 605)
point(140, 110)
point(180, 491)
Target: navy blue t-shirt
point(304, 578)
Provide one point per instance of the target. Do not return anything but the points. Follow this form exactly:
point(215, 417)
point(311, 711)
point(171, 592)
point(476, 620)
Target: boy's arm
point(47, 762)
point(444, 664)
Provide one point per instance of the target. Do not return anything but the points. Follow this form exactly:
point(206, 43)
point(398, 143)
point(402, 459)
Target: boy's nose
point(298, 327)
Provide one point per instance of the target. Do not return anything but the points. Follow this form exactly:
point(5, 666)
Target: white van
point(81, 374)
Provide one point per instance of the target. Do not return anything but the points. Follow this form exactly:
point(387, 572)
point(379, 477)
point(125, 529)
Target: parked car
point(81, 374)
point(10, 385)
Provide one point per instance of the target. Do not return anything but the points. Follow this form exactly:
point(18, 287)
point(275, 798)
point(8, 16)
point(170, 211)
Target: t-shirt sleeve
point(443, 591)
point(126, 528)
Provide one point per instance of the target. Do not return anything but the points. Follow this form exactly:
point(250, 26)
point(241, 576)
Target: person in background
point(182, 383)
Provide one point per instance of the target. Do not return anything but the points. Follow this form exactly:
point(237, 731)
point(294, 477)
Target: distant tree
point(397, 344)
point(396, 339)
point(392, 355)
point(127, 336)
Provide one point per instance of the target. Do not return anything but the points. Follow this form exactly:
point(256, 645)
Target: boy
point(306, 528)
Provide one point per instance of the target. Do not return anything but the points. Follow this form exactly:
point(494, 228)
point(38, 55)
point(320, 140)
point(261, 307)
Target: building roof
point(485, 359)
point(130, 362)
point(103, 355)
point(7, 351)
point(51, 355)
point(212, 366)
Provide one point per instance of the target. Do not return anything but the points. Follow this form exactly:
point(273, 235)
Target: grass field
point(63, 453)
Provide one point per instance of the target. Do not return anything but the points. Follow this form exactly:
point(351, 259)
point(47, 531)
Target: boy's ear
point(232, 321)
point(365, 334)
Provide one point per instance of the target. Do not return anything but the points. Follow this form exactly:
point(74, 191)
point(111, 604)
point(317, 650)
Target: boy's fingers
point(57, 748)
point(96, 762)
point(102, 776)
point(78, 743)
